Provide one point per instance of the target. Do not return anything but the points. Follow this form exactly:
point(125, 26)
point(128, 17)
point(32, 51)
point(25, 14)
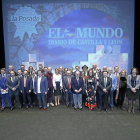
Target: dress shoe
point(67, 106)
point(71, 105)
point(19, 107)
point(12, 108)
point(112, 108)
point(106, 111)
point(2, 109)
point(31, 106)
point(81, 109)
point(99, 110)
point(26, 107)
point(44, 109)
point(75, 109)
point(39, 108)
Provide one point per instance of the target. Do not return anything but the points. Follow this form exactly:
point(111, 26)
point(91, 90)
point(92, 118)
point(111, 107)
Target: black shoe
point(19, 107)
point(71, 105)
point(67, 106)
point(112, 108)
point(11, 108)
point(26, 107)
point(106, 111)
point(75, 109)
point(81, 109)
point(2, 109)
point(99, 110)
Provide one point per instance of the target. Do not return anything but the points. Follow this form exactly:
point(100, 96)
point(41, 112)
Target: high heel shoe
point(133, 111)
point(129, 110)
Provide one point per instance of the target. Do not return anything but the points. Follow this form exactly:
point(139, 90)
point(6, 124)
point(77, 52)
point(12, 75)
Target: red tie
point(69, 82)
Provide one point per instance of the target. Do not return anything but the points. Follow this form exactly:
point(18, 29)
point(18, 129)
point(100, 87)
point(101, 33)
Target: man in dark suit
point(77, 85)
point(13, 83)
point(67, 88)
point(26, 88)
point(4, 89)
point(105, 84)
point(77, 68)
point(41, 89)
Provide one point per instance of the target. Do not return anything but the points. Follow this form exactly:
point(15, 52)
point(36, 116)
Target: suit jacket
point(76, 86)
point(29, 83)
point(3, 82)
point(43, 84)
point(11, 84)
point(129, 82)
point(108, 85)
point(65, 82)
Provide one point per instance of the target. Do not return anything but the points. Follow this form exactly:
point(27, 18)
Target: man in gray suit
point(13, 83)
point(67, 88)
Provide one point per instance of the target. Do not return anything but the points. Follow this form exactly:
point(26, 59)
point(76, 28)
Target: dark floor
point(61, 123)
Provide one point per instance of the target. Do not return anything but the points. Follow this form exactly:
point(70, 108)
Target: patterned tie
point(105, 82)
point(69, 82)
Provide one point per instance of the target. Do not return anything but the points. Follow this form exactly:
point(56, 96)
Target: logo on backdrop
point(85, 36)
point(25, 20)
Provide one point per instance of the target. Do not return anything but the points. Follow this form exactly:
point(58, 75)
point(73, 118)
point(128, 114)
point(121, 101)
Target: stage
point(61, 123)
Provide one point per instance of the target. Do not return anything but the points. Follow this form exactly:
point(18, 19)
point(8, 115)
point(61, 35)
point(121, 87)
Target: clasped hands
point(133, 90)
point(77, 91)
point(104, 90)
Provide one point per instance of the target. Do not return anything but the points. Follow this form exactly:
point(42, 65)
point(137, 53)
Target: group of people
point(94, 88)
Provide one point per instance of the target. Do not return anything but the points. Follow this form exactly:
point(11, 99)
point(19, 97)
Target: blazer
point(76, 86)
point(3, 82)
point(29, 83)
point(43, 84)
point(11, 84)
point(129, 82)
point(65, 82)
point(101, 85)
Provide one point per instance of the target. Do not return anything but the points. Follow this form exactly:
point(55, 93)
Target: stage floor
point(61, 123)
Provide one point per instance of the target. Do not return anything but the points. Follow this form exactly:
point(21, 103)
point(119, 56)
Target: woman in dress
point(57, 84)
point(121, 89)
point(84, 92)
point(133, 84)
point(91, 88)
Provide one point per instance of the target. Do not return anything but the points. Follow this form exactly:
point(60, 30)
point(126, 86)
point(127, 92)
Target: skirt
point(57, 92)
point(132, 95)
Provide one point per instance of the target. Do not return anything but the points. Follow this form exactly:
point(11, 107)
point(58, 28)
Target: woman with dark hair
point(133, 84)
point(30, 69)
point(91, 87)
point(121, 88)
point(84, 92)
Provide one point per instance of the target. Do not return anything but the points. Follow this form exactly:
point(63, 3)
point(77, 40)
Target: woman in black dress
point(122, 88)
point(133, 84)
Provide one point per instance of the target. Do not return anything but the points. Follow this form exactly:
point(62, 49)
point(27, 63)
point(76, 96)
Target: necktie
point(12, 79)
point(105, 82)
point(24, 81)
point(78, 81)
point(69, 82)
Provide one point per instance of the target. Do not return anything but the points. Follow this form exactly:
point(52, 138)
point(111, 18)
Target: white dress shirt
point(38, 84)
point(57, 78)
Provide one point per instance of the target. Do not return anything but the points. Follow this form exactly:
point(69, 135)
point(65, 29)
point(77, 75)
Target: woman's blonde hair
point(123, 71)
